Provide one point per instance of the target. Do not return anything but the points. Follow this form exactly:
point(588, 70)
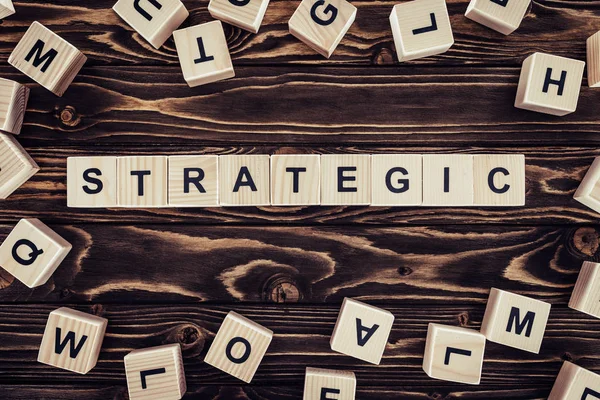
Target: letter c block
point(499, 180)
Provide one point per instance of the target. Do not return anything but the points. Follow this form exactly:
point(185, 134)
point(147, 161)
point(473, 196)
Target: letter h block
point(16, 166)
point(575, 383)
point(323, 384)
point(503, 16)
point(245, 14)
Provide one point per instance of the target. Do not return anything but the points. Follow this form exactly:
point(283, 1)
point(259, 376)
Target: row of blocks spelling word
point(286, 180)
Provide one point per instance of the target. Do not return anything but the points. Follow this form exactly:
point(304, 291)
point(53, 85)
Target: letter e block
point(586, 294)
point(16, 167)
point(503, 16)
point(593, 60)
point(295, 180)
point(499, 179)
point(575, 383)
point(245, 14)
point(142, 181)
point(244, 180)
point(345, 179)
point(322, 384)
point(6, 8)
point(447, 180)
point(588, 192)
point(13, 102)
point(397, 180)
point(92, 182)
point(193, 181)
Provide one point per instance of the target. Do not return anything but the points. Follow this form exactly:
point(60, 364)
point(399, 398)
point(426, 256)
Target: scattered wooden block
point(155, 373)
point(448, 180)
point(244, 180)
point(503, 16)
point(6, 8)
point(193, 181)
point(91, 182)
point(154, 20)
point(47, 58)
point(16, 166)
point(345, 179)
point(549, 84)
point(575, 383)
point(586, 294)
point(322, 24)
point(593, 60)
point(454, 354)
point(72, 340)
point(322, 384)
point(239, 347)
point(362, 331)
point(142, 181)
point(245, 14)
point(588, 192)
point(397, 180)
point(515, 321)
point(499, 179)
point(13, 102)
point(295, 180)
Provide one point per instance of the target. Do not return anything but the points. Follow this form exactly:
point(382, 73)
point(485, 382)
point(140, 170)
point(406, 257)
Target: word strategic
point(297, 180)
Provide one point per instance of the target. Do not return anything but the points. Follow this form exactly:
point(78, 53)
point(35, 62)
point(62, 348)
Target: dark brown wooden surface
point(170, 275)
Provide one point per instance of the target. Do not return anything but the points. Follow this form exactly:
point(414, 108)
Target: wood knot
point(567, 357)
point(463, 318)
point(435, 396)
point(191, 338)
point(69, 116)
point(98, 310)
point(384, 57)
point(405, 271)
point(586, 241)
point(65, 293)
point(282, 289)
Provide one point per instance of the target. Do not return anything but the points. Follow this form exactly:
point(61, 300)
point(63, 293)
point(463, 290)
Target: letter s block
point(245, 14)
point(92, 182)
point(575, 383)
point(499, 180)
point(325, 384)
point(16, 166)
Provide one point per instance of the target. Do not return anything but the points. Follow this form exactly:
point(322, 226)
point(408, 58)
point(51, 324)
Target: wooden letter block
point(322, 384)
point(549, 84)
point(72, 340)
point(515, 321)
point(203, 53)
point(193, 181)
point(447, 180)
point(322, 24)
point(92, 182)
point(6, 8)
point(16, 167)
point(142, 181)
point(586, 294)
point(499, 179)
point(345, 179)
point(593, 60)
point(239, 347)
point(47, 58)
point(295, 180)
point(397, 180)
point(454, 354)
point(361, 331)
point(588, 192)
point(245, 14)
point(155, 373)
point(421, 28)
point(503, 16)
point(575, 383)
point(32, 252)
point(13, 102)
point(244, 180)
point(154, 20)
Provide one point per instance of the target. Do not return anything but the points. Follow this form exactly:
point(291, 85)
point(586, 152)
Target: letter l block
point(575, 383)
point(322, 384)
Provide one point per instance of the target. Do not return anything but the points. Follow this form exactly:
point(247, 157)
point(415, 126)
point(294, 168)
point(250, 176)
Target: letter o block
point(575, 383)
point(324, 384)
point(245, 14)
point(91, 182)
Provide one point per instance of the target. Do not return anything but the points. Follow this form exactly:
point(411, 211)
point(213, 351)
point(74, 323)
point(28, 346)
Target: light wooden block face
point(32, 252)
point(193, 181)
point(586, 294)
point(203, 53)
point(13, 102)
point(155, 373)
point(245, 14)
point(322, 384)
point(244, 180)
point(6, 8)
point(549, 84)
point(362, 331)
point(499, 179)
point(515, 321)
point(345, 179)
point(142, 181)
point(154, 20)
point(588, 192)
point(448, 180)
point(454, 354)
point(421, 28)
point(397, 179)
point(575, 383)
point(295, 180)
point(46, 58)
point(593, 60)
point(503, 16)
point(16, 166)
point(72, 340)
point(322, 24)
point(92, 182)
point(239, 347)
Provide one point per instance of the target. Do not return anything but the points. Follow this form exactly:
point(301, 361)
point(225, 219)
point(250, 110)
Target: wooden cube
point(92, 182)
point(244, 180)
point(72, 340)
point(397, 179)
point(16, 166)
point(321, 24)
point(503, 16)
point(13, 102)
point(549, 84)
point(6, 8)
point(203, 53)
point(454, 354)
point(586, 294)
point(588, 192)
point(499, 179)
point(447, 180)
point(155, 373)
point(515, 321)
point(239, 347)
point(193, 181)
point(362, 331)
point(329, 384)
point(32, 252)
point(142, 181)
point(421, 28)
point(154, 20)
point(295, 180)
point(245, 14)
point(345, 179)
point(593, 60)
point(575, 383)
point(47, 58)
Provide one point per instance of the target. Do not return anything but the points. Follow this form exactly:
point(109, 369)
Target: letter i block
point(142, 181)
point(239, 347)
point(92, 182)
point(397, 180)
point(593, 60)
point(499, 179)
point(586, 294)
point(322, 24)
point(345, 179)
point(155, 373)
point(6, 8)
point(16, 167)
point(72, 340)
point(13, 102)
point(244, 180)
point(588, 192)
point(325, 384)
point(549, 84)
point(295, 180)
point(448, 180)
point(503, 16)
point(515, 321)
point(575, 383)
point(47, 58)
point(193, 181)
point(245, 14)
point(32, 252)
point(454, 354)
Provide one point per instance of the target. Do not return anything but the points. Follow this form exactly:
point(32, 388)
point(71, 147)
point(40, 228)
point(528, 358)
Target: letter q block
point(16, 166)
point(503, 16)
point(322, 384)
point(593, 60)
point(13, 102)
point(245, 14)
point(575, 383)
point(91, 182)
point(499, 180)
point(586, 294)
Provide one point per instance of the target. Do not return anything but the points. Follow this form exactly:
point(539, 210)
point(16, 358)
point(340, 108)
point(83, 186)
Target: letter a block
point(515, 321)
point(397, 179)
point(593, 60)
point(575, 383)
point(92, 182)
point(503, 16)
point(239, 347)
point(244, 180)
point(155, 373)
point(142, 181)
point(588, 192)
point(322, 384)
point(586, 294)
point(13, 102)
point(46, 58)
point(6, 8)
point(193, 181)
point(295, 180)
point(345, 179)
point(447, 180)
point(245, 14)
point(549, 84)
point(16, 167)
point(72, 340)
point(499, 179)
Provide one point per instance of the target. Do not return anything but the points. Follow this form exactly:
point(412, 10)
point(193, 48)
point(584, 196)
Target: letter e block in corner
point(16, 166)
point(245, 14)
point(91, 182)
point(322, 383)
point(575, 383)
point(588, 192)
point(499, 180)
point(586, 294)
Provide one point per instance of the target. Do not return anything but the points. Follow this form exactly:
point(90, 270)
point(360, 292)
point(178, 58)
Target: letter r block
point(193, 181)
point(575, 383)
point(322, 384)
point(91, 182)
point(142, 181)
point(499, 180)
point(245, 14)
point(16, 166)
